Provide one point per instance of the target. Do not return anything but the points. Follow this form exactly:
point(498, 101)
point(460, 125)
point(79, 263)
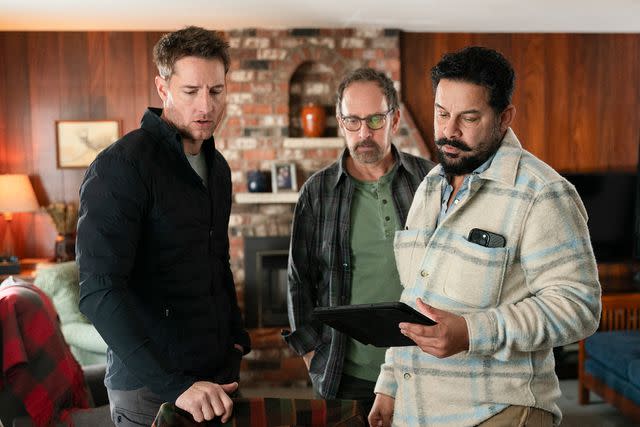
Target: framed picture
point(78, 142)
point(283, 177)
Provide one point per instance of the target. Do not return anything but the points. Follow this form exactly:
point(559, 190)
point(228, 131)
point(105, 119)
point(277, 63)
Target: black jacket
point(153, 253)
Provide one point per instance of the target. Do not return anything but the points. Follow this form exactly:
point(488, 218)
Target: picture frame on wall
point(283, 177)
point(78, 142)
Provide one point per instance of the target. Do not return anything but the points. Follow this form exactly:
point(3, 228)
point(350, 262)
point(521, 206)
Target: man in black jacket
point(153, 248)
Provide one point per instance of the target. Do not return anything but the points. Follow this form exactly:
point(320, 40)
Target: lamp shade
point(16, 194)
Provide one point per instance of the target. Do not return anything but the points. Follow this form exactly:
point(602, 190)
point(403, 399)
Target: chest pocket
point(476, 273)
point(409, 247)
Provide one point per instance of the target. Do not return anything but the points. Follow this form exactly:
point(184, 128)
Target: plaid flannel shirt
point(37, 365)
point(319, 272)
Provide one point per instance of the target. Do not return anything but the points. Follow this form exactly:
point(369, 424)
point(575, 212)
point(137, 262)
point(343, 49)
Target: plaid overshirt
point(319, 272)
point(539, 291)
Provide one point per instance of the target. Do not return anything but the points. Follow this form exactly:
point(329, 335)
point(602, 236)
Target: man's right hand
point(205, 400)
point(307, 358)
point(381, 411)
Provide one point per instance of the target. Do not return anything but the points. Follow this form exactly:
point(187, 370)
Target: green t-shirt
point(374, 222)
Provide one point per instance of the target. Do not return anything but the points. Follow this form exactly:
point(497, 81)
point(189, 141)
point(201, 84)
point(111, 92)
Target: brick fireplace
point(273, 73)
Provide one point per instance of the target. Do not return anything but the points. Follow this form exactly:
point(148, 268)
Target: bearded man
point(497, 252)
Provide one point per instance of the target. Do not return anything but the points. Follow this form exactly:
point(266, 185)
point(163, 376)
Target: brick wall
point(259, 111)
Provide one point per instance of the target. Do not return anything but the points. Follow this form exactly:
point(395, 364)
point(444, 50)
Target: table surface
point(28, 268)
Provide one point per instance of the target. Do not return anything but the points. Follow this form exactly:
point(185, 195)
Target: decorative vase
point(314, 120)
point(65, 247)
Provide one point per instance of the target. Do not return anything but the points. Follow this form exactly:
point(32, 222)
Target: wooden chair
point(619, 312)
point(266, 412)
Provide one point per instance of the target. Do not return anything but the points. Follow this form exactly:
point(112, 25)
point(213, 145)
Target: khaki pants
point(520, 416)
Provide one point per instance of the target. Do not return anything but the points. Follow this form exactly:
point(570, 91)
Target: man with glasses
point(342, 239)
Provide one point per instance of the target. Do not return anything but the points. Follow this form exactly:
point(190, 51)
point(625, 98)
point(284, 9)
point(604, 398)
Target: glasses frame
point(366, 120)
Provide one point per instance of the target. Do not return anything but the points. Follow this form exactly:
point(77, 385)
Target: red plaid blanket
point(37, 365)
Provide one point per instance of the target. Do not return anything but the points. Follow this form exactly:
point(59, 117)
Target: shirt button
point(424, 273)
point(386, 218)
point(211, 232)
point(407, 376)
point(456, 201)
point(384, 201)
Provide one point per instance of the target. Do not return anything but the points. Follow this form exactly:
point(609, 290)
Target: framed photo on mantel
point(283, 177)
point(78, 142)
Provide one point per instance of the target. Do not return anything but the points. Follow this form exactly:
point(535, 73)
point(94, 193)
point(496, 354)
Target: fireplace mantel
point(313, 143)
point(252, 198)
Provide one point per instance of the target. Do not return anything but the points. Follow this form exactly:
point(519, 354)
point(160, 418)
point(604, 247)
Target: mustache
point(455, 143)
point(368, 142)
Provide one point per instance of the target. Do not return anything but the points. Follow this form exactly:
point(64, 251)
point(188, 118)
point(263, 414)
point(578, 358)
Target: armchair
point(609, 360)
point(61, 283)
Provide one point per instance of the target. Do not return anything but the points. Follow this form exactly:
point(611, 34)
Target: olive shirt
point(374, 222)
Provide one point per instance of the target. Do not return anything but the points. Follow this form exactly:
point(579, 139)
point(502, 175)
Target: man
point(343, 228)
point(503, 295)
point(153, 248)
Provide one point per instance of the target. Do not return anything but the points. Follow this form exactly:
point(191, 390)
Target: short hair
point(482, 66)
point(369, 75)
point(189, 41)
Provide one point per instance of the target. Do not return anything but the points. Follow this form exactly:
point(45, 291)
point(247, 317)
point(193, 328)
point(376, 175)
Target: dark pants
point(352, 388)
point(132, 408)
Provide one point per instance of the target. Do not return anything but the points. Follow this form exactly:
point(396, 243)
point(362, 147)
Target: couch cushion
point(633, 373)
point(61, 283)
point(606, 375)
point(632, 393)
point(615, 350)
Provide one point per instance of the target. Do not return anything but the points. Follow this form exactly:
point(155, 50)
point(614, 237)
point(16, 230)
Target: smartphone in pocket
point(486, 238)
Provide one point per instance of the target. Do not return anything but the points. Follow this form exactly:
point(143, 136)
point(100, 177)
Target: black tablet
point(375, 324)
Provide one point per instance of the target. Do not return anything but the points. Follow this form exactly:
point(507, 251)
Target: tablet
point(375, 324)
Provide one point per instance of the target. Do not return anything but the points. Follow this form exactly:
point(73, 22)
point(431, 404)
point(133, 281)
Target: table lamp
point(16, 195)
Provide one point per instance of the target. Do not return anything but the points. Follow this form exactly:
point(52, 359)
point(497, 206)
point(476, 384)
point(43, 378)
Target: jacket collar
point(153, 123)
point(397, 155)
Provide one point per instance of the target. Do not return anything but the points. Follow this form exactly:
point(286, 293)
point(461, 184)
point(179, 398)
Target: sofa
point(609, 360)
point(61, 283)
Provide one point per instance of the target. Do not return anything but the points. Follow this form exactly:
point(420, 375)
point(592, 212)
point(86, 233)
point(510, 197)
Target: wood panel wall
point(577, 96)
point(49, 76)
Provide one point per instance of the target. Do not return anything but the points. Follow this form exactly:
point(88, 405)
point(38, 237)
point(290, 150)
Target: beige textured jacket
point(539, 291)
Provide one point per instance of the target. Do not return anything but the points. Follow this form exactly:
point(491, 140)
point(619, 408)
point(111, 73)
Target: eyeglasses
point(374, 121)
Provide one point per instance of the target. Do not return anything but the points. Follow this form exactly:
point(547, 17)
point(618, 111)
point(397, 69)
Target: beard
point(369, 156)
point(470, 158)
